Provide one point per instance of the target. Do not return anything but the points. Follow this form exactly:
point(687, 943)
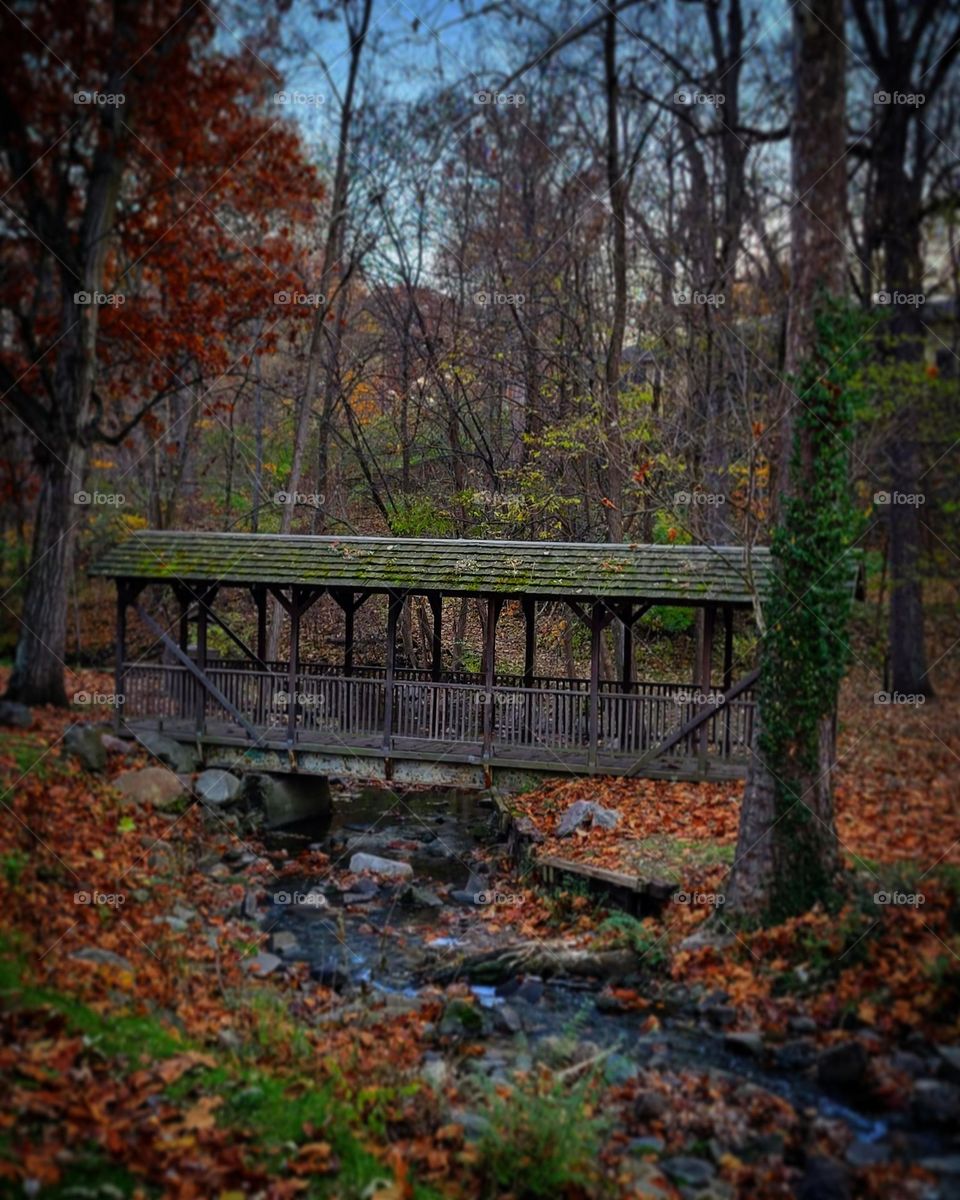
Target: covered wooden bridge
point(388, 719)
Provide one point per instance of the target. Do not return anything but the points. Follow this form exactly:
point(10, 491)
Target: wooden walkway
point(549, 727)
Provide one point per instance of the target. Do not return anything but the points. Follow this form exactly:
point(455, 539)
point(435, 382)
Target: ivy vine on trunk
point(805, 648)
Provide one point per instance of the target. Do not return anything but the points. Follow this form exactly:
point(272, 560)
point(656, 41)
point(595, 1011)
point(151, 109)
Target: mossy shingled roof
point(663, 574)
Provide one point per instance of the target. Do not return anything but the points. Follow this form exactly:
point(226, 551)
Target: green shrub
point(543, 1139)
point(623, 930)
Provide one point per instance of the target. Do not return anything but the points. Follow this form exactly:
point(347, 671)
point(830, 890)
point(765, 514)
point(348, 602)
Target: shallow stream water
point(381, 943)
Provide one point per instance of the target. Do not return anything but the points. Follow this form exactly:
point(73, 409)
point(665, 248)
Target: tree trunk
point(617, 191)
point(787, 844)
point(332, 253)
point(908, 656)
point(903, 261)
point(62, 433)
point(38, 669)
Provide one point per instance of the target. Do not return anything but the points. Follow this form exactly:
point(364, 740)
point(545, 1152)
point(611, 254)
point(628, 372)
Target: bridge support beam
point(705, 631)
point(494, 606)
point(626, 664)
point(394, 610)
point(259, 594)
point(124, 598)
point(436, 641)
point(600, 618)
point(727, 671)
point(529, 606)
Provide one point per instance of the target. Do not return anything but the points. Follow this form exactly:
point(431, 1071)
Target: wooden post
point(259, 593)
point(626, 667)
point(436, 644)
point(121, 651)
point(183, 599)
point(260, 599)
point(727, 645)
point(293, 665)
point(727, 671)
point(349, 609)
point(529, 606)
point(705, 672)
point(596, 632)
point(489, 672)
point(394, 609)
point(347, 602)
point(201, 705)
point(697, 648)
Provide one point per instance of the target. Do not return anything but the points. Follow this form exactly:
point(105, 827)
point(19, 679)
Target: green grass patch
point(275, 1112)
point(30, 752)
point(649, 944)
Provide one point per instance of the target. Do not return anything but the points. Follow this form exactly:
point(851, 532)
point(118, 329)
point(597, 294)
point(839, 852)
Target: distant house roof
point(662, 574)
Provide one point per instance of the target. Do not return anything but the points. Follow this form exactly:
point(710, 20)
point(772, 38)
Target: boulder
point(435, 1072)
point(216, 787)
point(949, 1062)
point(796, 1054)
point(909, 1063)
point(530, 991)
point(526, 829)
point(942, 1164)
point(460, 1019)
point(936, 1102)
point(646, 1145)
point(417, 897)
point(366, 887)
point(842, 1066)
point(177, 924)
point(156, 786)
point(161, 858)
point(749, 1042)
point(263, 963)
point(649, 1104)
point(586, 812)
point(380, 866)
point(720, 1014)
point(287, 799)
point(760, 1146)
point(475, 1125)
point(330, 974)
point(867, 1154)
point(229, 1039)
point(178, 756)
point(506, 1019)
point(115, 745)
point(103, 958)
point(17, 715)
point(824, 1179)
point(85, 743)
point(283, 942)
point(684, 1169)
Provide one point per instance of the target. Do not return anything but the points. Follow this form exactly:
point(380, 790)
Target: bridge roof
point(590, 570)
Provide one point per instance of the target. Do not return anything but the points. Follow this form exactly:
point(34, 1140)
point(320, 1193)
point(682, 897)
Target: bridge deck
point(548, 727)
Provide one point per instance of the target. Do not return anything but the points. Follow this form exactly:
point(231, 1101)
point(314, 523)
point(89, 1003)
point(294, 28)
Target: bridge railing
point(531, 722)
point(506, 679)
